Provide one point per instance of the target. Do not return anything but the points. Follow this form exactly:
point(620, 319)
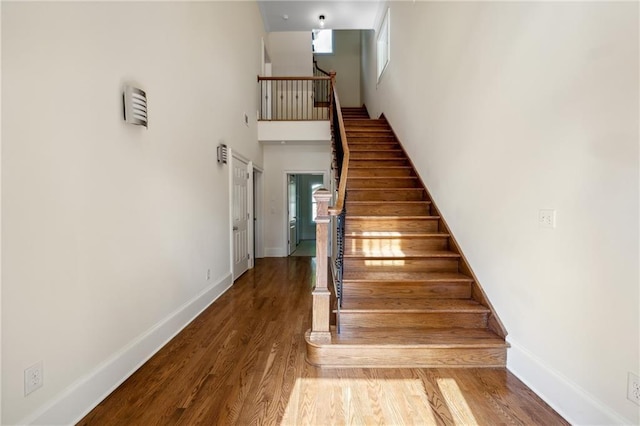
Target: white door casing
point(240, 216)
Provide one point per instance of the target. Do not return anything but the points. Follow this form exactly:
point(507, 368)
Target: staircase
point(409, 297)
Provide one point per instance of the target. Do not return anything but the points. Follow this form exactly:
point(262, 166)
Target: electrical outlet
point(33, 378)
point(547, 218)
point(208, 274)
point(633, 388)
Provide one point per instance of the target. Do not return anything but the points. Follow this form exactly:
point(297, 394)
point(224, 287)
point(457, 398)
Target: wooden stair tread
point(374, 218)
point(411, 305)
point(405, 276)
point(383, 177)
point(383, 167)
point(357, 161)
point(393, 254)
point(399, 235)
point(437, 337)
point(360, 202)
point(356, 149)
point(387, 189)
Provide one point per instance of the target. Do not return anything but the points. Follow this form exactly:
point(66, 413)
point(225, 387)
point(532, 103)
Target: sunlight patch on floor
point(456, 402)
point(363, 400)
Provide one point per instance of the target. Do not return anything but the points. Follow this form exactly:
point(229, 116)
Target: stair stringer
point(477, 293)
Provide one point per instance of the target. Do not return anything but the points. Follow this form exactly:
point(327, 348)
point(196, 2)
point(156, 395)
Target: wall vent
point(135, 106)
point(222, 154)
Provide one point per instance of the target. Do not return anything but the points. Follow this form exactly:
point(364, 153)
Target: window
point(383, 45)
point(322, 41)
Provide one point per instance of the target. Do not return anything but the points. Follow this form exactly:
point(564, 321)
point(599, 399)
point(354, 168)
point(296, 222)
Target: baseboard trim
point(85, 394)
point(572, 402)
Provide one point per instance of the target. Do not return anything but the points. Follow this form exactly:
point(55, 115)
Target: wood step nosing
point(380, 218)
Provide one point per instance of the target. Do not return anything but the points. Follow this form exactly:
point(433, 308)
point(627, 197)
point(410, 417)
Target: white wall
point(345, 61)
point(108, 229)
point(278, 161)
point(308, 131)
point(291, 53)
point(508, 108)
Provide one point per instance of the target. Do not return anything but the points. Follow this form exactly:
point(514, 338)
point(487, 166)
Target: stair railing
point(320, 328)
point(321, 95)
point(319, 72)
point(294, 98)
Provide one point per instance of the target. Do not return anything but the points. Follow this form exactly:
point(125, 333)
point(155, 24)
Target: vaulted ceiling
point(302, 15)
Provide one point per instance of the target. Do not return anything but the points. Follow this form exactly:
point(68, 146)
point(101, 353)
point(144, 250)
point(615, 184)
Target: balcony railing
point(295, 98)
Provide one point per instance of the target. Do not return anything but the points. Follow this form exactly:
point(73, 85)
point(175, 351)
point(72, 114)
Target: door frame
point(257, 235)
point(285, 187)
point(250, 237)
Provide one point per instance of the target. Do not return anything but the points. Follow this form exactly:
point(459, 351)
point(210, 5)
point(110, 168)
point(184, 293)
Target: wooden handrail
point(315, 64)
point(260, 78)
point(342, 186)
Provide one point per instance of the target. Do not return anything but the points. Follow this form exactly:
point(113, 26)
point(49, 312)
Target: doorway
point(239, 215)
point(301, 212)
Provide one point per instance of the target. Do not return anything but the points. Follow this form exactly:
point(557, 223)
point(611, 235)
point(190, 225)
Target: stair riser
point(412, 290)
point(388, 209)
point(359, 155)
point(381, 172)
point(372, 133)
point(370, 122)
point(426, 320)
point(397, 162)
point(371, 139)
point(364, 225)
point(354, 183)
point(401, 265)
point(392, 357)
point(400, 195)
point(355, 146)
point(383, 245)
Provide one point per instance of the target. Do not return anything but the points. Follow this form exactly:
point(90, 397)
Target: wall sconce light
point(135, 106)
point(321, 19)
point(222, 154)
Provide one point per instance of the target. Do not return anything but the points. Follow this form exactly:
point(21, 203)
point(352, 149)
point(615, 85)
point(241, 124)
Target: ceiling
point(302, 15)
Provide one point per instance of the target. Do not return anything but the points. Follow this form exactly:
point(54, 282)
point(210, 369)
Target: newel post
point(321, 296)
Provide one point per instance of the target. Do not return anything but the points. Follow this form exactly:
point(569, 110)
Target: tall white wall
point(278, 161)
point(291, 53)
point(345, 61)
point(508, 108)
point(108, 229)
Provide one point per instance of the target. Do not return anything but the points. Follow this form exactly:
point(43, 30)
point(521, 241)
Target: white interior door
point(240, 217)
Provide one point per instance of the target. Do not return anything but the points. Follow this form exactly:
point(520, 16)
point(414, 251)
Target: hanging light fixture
point(321, 19)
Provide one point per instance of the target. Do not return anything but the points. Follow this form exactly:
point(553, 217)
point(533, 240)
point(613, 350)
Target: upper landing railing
point(295, 98)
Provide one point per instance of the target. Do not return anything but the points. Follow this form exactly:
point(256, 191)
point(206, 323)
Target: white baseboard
point(275, 252)
point(85, 394)
point(576, 405)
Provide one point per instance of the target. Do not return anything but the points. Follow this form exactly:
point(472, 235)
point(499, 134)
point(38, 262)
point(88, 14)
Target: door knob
point(235, 228)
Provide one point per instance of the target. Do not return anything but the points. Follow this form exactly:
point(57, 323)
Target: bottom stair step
point(445, 347)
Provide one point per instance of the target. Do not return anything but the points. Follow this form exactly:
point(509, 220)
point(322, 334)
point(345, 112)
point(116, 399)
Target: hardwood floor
point(242, 361)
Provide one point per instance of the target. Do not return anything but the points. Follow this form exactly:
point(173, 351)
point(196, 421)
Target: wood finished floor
point(242, 361)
